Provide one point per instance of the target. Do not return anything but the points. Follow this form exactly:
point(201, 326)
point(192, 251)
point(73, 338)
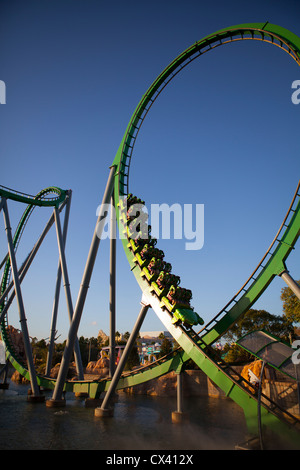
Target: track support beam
point(62, 375)
point(24, 268)
point(293, 285)
point(179, 415)
point(57, 293)
point(112, 291)
point(4, 371)
point(22, 316)
point(105, 410)
point(64, 270)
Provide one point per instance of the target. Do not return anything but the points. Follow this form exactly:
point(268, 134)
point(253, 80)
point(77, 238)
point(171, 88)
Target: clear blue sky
point(224, 134)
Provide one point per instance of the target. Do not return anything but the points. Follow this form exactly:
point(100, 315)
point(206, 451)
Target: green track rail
point(196, 346)
point(41, 199)
point(48, 197)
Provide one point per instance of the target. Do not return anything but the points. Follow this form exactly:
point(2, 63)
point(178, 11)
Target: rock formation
point(100, 367)
point(71, 372)
point(102, 337)
point(18, 378)
point(17, 340)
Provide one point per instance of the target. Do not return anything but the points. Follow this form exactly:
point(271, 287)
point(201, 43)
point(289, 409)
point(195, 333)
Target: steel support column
point(22, 316)
point(260, 430)
point(62, 375)
point(112, 291)
point(25, 266)
point(2, 202)
point(179, 416)
point(291, 283)
point(53, 323)
point(57, 292)
point(179, 393)
point(4, 385)
point(104, 410)
point(64, 270)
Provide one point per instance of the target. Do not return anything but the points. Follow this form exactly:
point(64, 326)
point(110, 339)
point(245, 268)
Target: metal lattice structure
point(272, 351)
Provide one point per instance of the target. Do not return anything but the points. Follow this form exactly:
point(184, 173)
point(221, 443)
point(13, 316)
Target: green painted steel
point(195, 346)
point(38, 199)
point(32, 202)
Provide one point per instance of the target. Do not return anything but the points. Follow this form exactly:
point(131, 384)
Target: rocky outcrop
point(160, 387)
point(100, 367)
point(16, 337)
point(195, 383)
point(17, 340)
point(72, 373)
point(102, 337)
point(18, 378)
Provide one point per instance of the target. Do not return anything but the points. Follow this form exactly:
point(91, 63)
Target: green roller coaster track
point(197, 346)
point(42, 199)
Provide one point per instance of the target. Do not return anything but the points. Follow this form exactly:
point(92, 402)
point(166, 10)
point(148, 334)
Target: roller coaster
point(160, 288)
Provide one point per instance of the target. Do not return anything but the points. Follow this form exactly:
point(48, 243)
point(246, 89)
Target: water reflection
point(139, 422)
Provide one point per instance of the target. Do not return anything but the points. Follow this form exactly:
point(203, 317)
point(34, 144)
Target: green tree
point(166, 347)
point(39, 351)
point(88, 349)
point(58, 352)
point(252, 320)
point(126, 336)
point(235, 354)
point(291, 304)
point(133, 359)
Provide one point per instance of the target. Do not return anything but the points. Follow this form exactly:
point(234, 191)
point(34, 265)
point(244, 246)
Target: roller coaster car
point(154, 268)
point(157, 272)
point(163, 283)
point(148, 252)
point(131, 199)
point(179, 295)
point(186, 316)
point(140, 240)
point(138, 229)
point(133, 214)
point(176, 298)
point(125, 207)
point(135, 245)
point(137, 225)
point(166, 279)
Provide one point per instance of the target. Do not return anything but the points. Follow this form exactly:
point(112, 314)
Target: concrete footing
point(179, 417)
point(104, 413)
point(35, 398)
point(55, 403)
